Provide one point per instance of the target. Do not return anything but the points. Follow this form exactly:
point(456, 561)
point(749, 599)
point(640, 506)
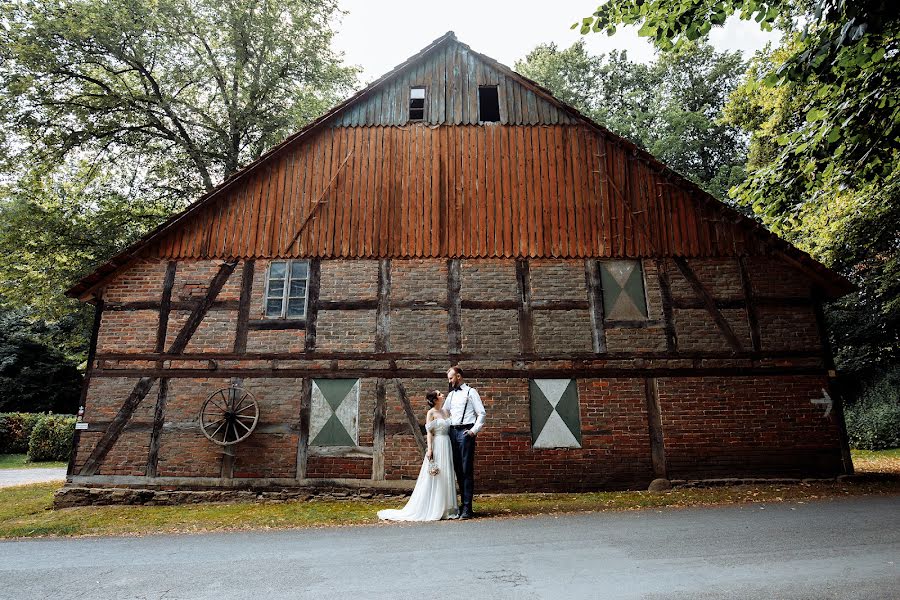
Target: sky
point(378, 35)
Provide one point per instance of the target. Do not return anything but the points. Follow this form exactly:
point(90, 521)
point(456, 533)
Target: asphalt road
point(13, 477)
point(841, 549)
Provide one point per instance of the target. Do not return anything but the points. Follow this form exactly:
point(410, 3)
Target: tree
point(671, 108)
point(824, 162)
point(34, 375)
point(115, 113)
point(174, 94)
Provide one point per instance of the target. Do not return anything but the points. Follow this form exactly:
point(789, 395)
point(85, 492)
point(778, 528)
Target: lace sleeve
point(431, 425)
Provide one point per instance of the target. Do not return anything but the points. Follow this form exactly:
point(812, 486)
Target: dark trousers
point(464, 464)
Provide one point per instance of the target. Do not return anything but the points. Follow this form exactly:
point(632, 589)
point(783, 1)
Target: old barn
point(620, 324)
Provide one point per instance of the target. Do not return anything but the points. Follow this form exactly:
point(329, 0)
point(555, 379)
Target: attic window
point(488, 104)
point(417, 103)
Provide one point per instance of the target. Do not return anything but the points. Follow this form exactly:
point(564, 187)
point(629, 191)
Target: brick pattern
point(131, 331)
point(557, 280)
point(711, 426)
point(560, 331)
point(346, 330)
point(140, 281)
point(192, 279)
point(737, 426)
point(622, 339)
point(419, 280)
point(349, 280)
point(788, 328)
point(418, 331)
point(488, 280)
point(490, 331)
point(697, 330)
point(276, 340)
point(720, 276)
point(772, 277)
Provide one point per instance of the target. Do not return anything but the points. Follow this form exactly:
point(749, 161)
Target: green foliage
point(671, 108)
point(15, 431)
point(115, 113)
point(35, 376)
point(823, 171)
point(51, 438)
point(873, 421)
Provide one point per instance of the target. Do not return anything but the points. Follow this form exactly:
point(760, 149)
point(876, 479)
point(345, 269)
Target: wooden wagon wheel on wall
point(229, 416)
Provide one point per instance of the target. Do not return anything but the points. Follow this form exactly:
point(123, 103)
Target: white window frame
point(285, 294)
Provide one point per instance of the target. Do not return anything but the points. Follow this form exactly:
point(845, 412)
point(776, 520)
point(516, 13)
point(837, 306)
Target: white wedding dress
point(434, 496)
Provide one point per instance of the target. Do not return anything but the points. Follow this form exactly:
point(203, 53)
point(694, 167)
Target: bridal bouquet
point(433, 469)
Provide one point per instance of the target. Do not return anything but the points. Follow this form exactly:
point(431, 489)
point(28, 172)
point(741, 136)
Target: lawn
point(20, 461)
point(25, 511)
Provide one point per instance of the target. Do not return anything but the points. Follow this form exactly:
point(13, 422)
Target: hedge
point(42, 436)
point(15, 430)
point(873, 421)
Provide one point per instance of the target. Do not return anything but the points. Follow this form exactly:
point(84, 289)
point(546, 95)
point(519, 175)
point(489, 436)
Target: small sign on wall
point(82, 425)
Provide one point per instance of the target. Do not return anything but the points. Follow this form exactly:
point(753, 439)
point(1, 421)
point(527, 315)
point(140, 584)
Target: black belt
point(469, 426)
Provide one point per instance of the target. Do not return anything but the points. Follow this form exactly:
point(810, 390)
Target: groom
point(466, 420)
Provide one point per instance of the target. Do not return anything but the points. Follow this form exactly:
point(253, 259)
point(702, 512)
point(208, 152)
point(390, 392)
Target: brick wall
point(712, 426)
point(735, 426)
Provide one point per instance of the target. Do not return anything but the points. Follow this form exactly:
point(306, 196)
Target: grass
point(20, 461)
point(25, 511)
point(876, 461)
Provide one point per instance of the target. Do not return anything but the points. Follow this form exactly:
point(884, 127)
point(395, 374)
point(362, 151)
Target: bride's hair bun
point(431, 398)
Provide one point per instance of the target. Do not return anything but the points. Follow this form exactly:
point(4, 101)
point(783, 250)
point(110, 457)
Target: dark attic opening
point(417, 103)
point(488, 104)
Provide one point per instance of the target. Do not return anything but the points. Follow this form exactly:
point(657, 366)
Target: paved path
point(11, 477)
point(841, 549)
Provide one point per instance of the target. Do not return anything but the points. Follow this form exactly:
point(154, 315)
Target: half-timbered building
point(620, 324)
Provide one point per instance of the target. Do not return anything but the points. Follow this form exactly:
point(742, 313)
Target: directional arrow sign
point(824, 401)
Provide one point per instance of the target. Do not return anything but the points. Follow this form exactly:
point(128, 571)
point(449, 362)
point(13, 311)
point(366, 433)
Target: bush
point(51, 438)
point(15, 430)
point(873, 421)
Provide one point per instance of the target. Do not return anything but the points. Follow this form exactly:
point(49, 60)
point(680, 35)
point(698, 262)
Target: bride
point(434, 496)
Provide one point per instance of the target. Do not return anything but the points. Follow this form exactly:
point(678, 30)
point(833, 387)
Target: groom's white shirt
point(456, 403)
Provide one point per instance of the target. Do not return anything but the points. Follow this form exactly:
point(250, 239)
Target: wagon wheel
point(229, 416)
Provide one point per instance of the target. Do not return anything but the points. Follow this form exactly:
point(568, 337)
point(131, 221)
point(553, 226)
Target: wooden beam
point(140, 391)
point(303, 438)
point(752, 313)
point(595, 299)
point(165, 304)
point(92, 354)
point(142, 388)
point(454, 310)
point(196, 317)
point(523, 369)
point(158, 419)
point(312, 313)
point(654, 424)
point(243, 320)
point(273, 324)
point(411, 417)
point(383, 310)
point(665, 292)
point(469, 356)
point(526, 323)
point(710, 304)
point(837, 401)
point(378, 430)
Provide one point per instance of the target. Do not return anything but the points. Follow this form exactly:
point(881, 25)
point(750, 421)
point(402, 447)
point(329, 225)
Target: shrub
point(51, 438)
point(15, 430)
point(873, 421)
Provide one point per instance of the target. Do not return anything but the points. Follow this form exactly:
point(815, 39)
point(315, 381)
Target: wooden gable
point(543, 182)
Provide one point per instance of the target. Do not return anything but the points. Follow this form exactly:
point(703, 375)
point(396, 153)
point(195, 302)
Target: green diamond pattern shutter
point(334, 414)
point(555, 421)
point(623, 290)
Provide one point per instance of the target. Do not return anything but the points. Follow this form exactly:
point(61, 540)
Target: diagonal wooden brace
point(142, 388)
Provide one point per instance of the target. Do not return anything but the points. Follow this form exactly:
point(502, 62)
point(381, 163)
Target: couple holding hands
point(451, 424)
